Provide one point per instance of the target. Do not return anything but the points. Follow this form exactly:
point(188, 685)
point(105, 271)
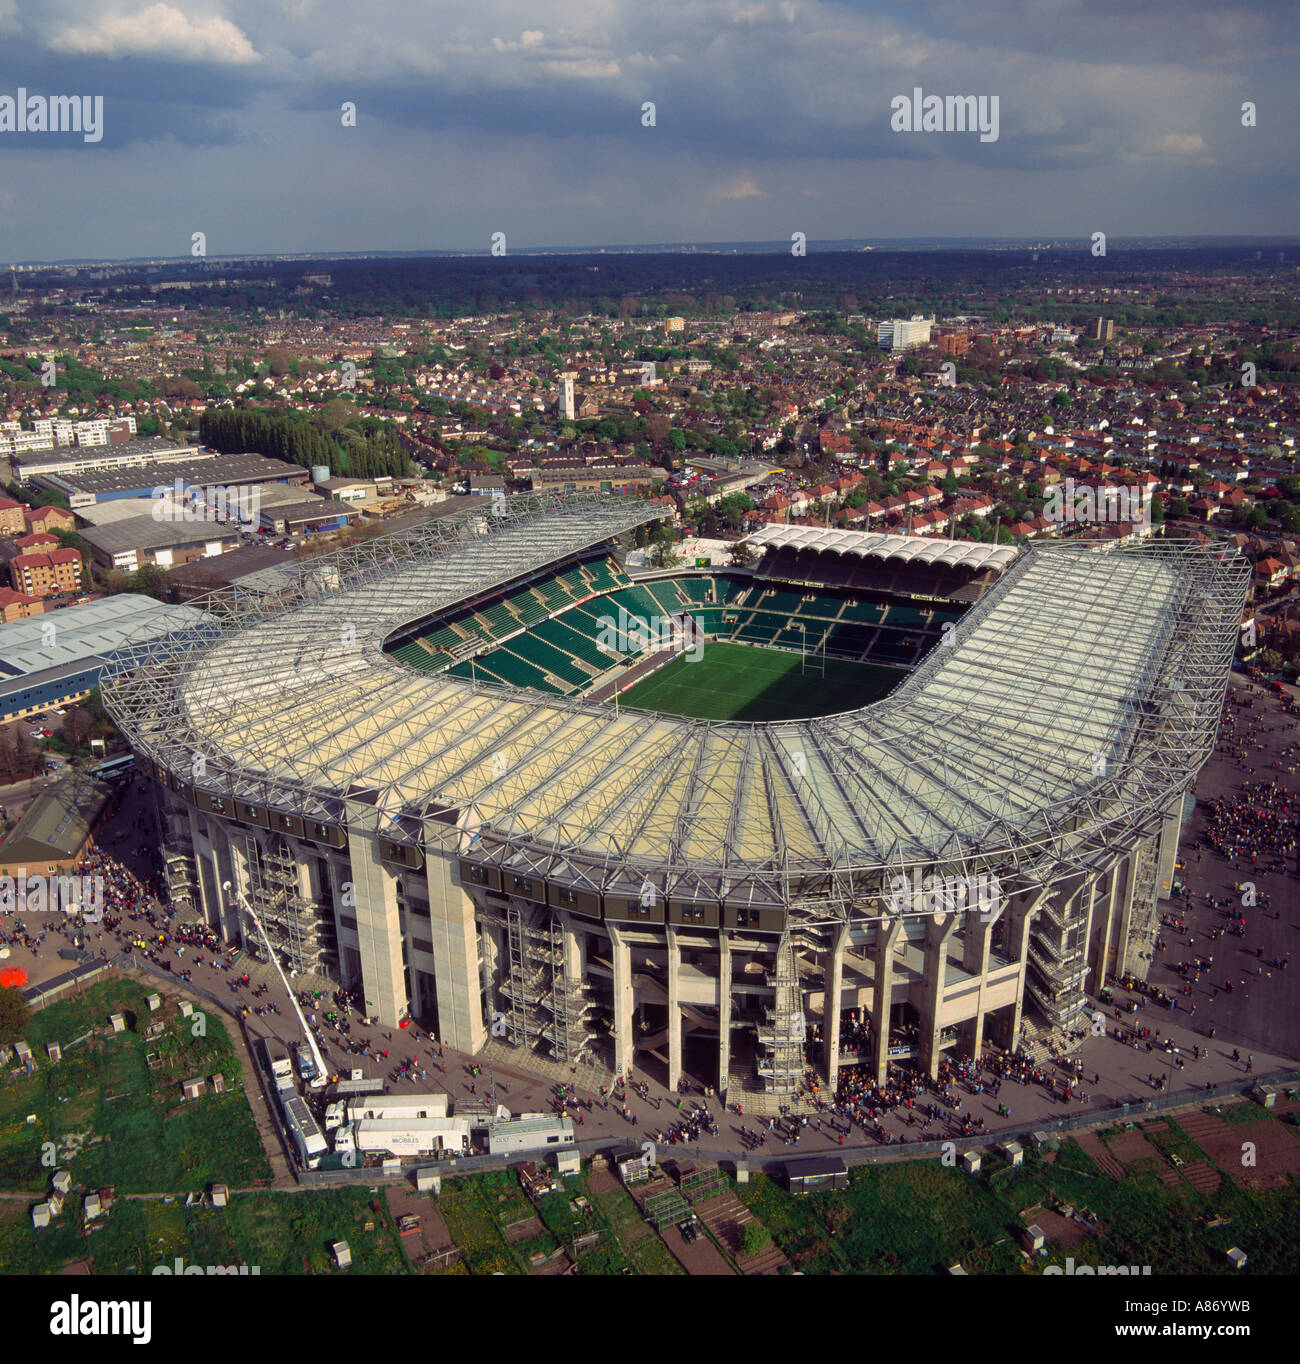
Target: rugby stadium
point(687, 819)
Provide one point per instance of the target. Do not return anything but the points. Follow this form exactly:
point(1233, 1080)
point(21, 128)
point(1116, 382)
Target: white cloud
point(743, 186)
point(159, 31)
point(1182, 144)
point(530, 37)
point(585, 68)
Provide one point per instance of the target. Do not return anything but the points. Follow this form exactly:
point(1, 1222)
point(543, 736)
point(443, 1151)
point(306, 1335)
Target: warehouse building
point(84, 488)
point(51, 460)
point(60, 656)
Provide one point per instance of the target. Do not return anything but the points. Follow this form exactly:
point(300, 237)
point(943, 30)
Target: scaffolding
point(782, 1038)
point(547, 1005)
point(288, 916)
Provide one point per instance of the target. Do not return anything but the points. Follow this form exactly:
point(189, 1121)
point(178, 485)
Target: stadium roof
point(911, 549)
point(1076, 699)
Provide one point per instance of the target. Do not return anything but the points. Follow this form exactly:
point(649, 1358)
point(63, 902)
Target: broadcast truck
point(303, 1131)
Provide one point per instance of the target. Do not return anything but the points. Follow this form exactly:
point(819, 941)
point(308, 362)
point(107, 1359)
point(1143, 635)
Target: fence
point(38, 996)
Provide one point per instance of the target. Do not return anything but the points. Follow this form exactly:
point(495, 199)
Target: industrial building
point(59, 657)
point(404, 773)
point(311, 514)
point(50, 460)
point(84, 488)
point(129, 544)
point(56, 829)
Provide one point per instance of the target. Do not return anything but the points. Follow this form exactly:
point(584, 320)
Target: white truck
point(278, 1067)
point(303, 1132)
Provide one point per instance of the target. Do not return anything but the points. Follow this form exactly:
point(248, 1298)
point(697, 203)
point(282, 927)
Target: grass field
point(109, 1118)
point(279, 1233)
point(743, 682)
point(918, 1217)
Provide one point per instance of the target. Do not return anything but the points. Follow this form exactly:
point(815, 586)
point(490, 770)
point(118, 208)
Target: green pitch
point(742, 682)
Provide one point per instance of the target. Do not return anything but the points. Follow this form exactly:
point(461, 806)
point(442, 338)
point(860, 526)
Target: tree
point(151, 581)
point(15, 1013)
point(77, 726)
point(662, 540)
point(754, 1238)
point(662, 556)
point(740, 554)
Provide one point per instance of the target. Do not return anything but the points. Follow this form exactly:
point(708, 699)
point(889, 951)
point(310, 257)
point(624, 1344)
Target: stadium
point(705, 819)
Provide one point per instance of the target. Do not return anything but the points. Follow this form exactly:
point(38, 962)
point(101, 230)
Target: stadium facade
point(399, 762)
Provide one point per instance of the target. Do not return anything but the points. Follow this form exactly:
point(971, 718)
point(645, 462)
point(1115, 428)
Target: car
point(47, 734)
point(35, 733)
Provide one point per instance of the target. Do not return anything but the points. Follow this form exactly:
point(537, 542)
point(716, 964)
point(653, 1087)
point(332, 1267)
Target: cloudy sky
point(770, 117)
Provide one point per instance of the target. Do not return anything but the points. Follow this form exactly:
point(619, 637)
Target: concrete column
point(934, 973)
point(624, 1039)
point(1104, 928)
point(379, 933)
point(674, 1011)
point(217, 858)
point(977, 943)
point(1091, 980)
point(890, 930)
point(1126, 906)
point(455, 955)
point(575, 954)
point(833, 1007)
point(724, 1011)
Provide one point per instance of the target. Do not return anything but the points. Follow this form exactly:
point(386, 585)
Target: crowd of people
point(1259, 827)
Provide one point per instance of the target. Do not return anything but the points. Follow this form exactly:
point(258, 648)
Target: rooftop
point(912, 549)
point(57, 823)
point(75, 633)
point(1079, 696)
